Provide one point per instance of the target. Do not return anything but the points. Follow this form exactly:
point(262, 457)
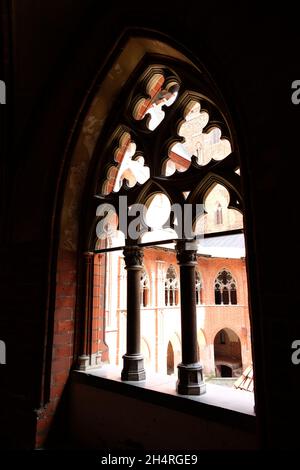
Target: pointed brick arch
point(69, 265)
point(228, 353)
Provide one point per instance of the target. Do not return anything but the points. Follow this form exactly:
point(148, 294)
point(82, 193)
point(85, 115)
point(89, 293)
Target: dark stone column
point(84, 359)
point(133, 366)
point(190, 371)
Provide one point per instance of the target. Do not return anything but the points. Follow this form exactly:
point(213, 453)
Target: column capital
point(133, 256)
point(185, 256)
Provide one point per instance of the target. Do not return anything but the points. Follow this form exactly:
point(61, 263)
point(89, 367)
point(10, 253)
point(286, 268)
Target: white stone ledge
point(217, 396)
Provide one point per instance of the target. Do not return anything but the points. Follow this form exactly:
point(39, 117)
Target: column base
point(190, 379)
point(83, 362)
point(86, 362)
point(133, 368)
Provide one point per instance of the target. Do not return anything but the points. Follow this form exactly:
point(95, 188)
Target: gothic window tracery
point(170, 141)
point(225, 289)
point(144, 289)
point(171, 287)
point(198, 285)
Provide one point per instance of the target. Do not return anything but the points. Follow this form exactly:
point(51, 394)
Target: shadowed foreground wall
point(137, 424)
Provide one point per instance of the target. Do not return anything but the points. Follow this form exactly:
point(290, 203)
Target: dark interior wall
point(52, 52)
point(134, 424)
point(43, 35)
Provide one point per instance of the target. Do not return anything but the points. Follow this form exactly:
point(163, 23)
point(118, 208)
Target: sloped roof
point(231, 246)
point(227, 241)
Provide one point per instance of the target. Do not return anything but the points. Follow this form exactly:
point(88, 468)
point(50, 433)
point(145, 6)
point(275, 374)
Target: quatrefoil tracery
point(206, 146)
point(130, 167)
point(158, 96)
point(201, 142)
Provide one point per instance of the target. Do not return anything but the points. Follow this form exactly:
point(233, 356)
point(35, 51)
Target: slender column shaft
point(84, 359)
point(133, 340)
point(190, 374)
point(133, 368)
point(188, 314)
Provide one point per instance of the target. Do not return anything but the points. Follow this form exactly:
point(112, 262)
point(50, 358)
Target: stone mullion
point(133, 361)
point(84, 360)
point(190, 371)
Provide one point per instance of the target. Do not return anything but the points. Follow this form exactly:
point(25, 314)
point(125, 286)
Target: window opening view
point(170, 245)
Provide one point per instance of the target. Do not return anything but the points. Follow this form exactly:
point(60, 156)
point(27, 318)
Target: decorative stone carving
point(184, 255)
point(130, 167)
point(205, 146)
point(157, 98)
point(133, 257)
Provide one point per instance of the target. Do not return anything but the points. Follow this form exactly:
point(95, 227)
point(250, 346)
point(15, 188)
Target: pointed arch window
point(171, 287)
point(170, 135)
point(225, 289)
point(198, 284)
point(144, 289)
point(219, 214)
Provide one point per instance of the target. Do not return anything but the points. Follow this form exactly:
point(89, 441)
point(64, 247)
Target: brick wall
point(63, 340)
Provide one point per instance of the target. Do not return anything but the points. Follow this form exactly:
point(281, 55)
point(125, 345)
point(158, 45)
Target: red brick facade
point(161, 323)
